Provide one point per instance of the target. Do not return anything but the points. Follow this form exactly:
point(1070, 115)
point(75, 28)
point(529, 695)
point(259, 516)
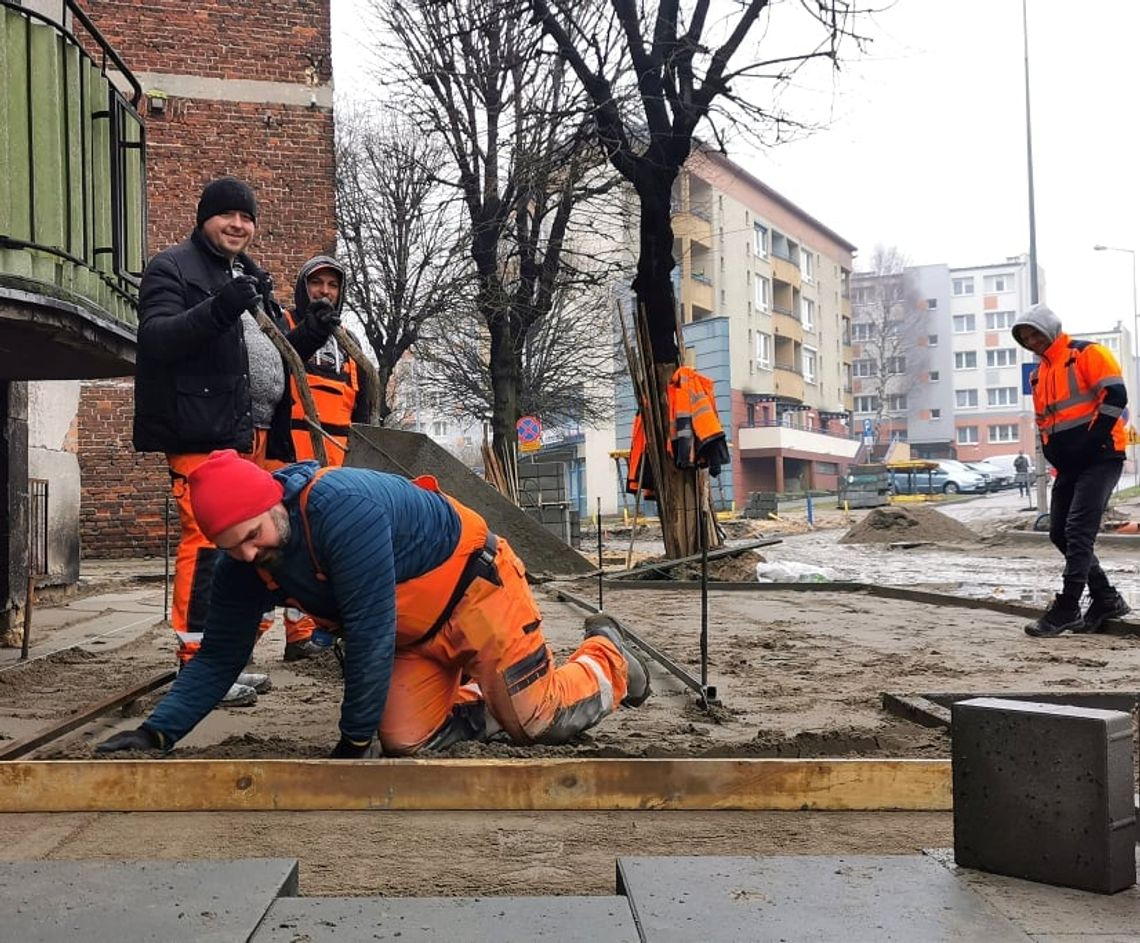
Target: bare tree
point(655, 72)
point(400, 238)
point(890, 325)
point(522, 157)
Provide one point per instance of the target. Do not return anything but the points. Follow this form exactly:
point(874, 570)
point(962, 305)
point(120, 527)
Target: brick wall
point(285, 152)
point(122, 509)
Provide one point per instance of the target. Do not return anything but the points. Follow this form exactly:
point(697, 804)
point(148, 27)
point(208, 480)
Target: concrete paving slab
point(96, 901)
point(437, 919)
point(1047, 912)
point(806, 898)
point(1045, 792)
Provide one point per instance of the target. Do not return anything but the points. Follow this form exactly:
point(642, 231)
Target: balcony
point(693, 224)
point(788, 381)
point(75, 152)
point(697, 293)
point(821, 446)
point(785, 270)
point(786, 324)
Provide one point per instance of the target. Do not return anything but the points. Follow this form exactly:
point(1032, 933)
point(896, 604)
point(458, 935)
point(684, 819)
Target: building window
point(809, 365)
point(999, 320)
point(963, 286)
point(964, 324)
point(996, 283)
point(1005, 432)
point(1001, 357)
point(896, 402)
point(1001, 396)
point(808, 265)
point(866, 404)
point(864, 368)
point(862, 332)
point(935, 376)
point(931, 340)
point(827, 468)
point(895, 366)
point(966, 399)
point(439, 428)
point(967, 435)
point(936, 414)
point(761, 293)
point(760, 240)
point(931, 304)
point(965, 359)
point(808, 314)
point(764, 350)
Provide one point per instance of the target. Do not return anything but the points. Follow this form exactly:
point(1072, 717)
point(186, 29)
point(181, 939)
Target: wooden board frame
point(171, 785)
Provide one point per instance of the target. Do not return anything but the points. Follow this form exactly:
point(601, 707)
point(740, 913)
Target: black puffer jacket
point(191, 373)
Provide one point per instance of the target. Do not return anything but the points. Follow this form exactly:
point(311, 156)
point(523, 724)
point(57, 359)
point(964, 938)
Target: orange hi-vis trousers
point(493, 640)
point(194, 562)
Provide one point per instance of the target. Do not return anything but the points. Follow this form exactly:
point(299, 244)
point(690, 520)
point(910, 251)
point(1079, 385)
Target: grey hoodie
point(1041, 317)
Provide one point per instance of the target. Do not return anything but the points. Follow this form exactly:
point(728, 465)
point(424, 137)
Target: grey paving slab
point(112, 901)
point(437, 919)
point(1045, 792)
point(1047, 912)
point(806, 898)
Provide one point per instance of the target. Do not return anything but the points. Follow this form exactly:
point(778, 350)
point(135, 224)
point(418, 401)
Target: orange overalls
point(469, 634)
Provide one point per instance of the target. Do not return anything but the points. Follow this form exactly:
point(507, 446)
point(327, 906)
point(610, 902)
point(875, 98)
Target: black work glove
point(141, 738)
point(348, 749)
point(235, 296)
point(325, 315)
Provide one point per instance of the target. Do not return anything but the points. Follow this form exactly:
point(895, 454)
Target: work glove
point(325, 315)
point(235, 296)
point(348, 749)
point(141, 738)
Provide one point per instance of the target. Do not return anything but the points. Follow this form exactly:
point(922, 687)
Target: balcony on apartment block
point(762, 440)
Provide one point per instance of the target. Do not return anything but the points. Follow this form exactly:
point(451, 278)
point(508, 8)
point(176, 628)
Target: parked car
point(947, 477)
point(998, 477)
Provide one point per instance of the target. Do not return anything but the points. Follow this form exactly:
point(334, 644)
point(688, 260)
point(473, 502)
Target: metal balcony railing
point(73, 195)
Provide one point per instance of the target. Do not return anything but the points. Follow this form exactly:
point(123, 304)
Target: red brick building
point(241, 89)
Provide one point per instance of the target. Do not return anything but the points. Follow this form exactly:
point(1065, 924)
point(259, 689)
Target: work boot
point(637, 688)
point(260, 683)
point(305, 648)
point(239, 695)
point(1063, 614)
point(1104, 606)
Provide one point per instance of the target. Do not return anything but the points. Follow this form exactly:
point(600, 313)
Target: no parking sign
point(530, 434)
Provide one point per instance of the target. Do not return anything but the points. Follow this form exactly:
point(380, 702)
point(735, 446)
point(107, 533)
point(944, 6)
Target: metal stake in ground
point(703, 532)
point(600, 571)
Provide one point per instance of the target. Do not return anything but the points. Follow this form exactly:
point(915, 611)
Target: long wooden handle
point(353, 350)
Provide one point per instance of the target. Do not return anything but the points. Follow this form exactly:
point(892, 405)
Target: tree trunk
point(504, 394)
point(677, 495)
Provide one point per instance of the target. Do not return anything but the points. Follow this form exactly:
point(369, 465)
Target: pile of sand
point(894, 524)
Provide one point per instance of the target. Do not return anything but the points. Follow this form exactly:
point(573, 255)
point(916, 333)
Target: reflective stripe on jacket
point(334, 387)
point(1075, 383)
point(695, 433)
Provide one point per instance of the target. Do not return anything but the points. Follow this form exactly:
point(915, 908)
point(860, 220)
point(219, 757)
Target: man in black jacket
point(207, 378)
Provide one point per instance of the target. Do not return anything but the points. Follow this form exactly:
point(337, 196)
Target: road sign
point(868, 429)
point(530, 434)
point(1026, 372)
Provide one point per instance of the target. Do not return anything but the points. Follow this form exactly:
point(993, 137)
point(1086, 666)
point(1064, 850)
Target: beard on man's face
point(271, 556)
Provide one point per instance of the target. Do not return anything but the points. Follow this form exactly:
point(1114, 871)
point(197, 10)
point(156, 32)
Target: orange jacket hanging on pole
point(696, 437)
point(638, 478)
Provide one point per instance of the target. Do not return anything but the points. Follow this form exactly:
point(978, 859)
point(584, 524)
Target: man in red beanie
point(206, 378)
point(419, 590)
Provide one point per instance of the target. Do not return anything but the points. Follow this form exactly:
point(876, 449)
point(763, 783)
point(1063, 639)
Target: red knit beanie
point(227, 489)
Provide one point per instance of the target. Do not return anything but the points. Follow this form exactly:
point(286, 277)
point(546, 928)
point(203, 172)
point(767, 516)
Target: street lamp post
point(1135, 352)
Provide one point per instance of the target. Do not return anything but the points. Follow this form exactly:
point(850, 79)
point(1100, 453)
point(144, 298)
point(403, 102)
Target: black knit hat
point(226, 194)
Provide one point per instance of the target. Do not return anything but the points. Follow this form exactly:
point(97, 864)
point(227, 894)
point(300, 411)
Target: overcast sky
point(924, 146)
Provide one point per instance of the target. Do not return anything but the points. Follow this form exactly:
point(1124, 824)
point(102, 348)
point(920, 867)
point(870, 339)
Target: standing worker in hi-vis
point(1079, 399)
point(207, 378)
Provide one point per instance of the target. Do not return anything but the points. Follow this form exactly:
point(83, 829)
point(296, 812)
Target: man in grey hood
point(1079, 399)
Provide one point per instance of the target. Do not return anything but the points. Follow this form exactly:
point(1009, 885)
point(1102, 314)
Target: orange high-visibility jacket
point(639, 474)
point(696, 437)
point(335, 384)
point(1078, 397)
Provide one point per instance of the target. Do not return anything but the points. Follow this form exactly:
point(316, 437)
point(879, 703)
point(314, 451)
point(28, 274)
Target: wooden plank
point(663, 566)
point(470, 785)
point(18, 748)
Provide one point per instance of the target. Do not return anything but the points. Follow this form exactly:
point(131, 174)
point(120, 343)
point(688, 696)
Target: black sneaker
point(306, 648)
point(637, 688)
point(1061, 616)
point(1103, 608)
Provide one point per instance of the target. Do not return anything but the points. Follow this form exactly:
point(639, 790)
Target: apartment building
point(956, 386)
point(763, 293)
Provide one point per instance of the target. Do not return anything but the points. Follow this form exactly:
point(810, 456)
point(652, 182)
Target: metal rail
point(706, 692)
point(19, 748)
point(665, 565)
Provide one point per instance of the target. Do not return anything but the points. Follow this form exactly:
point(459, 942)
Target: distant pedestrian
point(1079, 399)
point(1021, 468)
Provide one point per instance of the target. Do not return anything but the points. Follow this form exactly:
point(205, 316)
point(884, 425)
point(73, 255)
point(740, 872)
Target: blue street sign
point(867, 428)
point(1026, 371)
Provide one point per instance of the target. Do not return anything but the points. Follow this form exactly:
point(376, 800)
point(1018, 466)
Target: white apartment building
point(992, 413)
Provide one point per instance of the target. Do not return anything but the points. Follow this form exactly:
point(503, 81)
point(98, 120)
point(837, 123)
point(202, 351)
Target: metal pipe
point(601, 596)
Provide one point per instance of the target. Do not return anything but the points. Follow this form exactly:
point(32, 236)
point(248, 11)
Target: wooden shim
point(18, 748)
point(475, 785)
